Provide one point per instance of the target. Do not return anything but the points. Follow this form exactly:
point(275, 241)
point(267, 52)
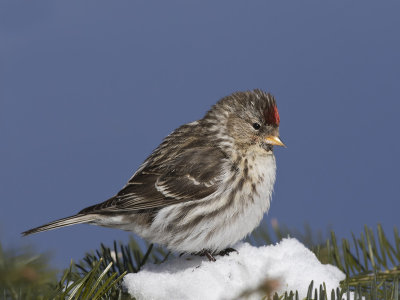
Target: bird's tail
point(77, 219)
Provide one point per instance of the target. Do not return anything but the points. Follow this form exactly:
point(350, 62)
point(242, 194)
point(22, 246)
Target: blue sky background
point(89, 88)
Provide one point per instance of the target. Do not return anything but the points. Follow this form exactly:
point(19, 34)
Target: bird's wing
point(191, 175)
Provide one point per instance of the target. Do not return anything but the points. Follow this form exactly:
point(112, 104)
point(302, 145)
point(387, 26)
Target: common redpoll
point(205, 187)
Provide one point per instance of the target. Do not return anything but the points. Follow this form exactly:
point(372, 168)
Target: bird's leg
point(227, 251)
point(209, 256)
point(207, 253)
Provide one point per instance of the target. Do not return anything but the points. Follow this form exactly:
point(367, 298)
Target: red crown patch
point(271, 116)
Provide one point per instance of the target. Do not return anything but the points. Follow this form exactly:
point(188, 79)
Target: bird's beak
point(274, 140)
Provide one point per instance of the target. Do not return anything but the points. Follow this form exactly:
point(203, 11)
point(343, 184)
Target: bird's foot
point(227, 251)
point(207, 253)
point(210, 255)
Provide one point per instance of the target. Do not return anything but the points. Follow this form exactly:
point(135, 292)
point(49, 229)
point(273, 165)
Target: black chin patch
point(266, 146)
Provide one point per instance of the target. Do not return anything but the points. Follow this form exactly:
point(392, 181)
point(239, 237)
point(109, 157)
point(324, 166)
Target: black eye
point(256, 126)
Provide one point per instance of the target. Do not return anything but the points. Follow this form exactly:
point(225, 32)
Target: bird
point(205, 187)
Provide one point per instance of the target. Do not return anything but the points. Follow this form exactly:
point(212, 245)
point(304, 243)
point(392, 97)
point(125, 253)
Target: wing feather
point(186, 173)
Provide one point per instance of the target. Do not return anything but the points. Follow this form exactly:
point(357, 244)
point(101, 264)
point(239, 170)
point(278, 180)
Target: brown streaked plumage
point(205, 187)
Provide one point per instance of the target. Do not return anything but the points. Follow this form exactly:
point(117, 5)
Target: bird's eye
point(256, 126)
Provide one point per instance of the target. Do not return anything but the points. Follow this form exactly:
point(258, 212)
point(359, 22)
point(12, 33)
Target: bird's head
point(249, 118)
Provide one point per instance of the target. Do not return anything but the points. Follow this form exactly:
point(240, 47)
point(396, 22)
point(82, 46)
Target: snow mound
point(289, 263)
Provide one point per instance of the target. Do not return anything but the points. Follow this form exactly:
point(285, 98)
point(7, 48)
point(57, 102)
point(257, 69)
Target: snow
point(286, 266)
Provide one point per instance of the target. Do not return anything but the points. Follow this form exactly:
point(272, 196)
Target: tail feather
point(77, 219)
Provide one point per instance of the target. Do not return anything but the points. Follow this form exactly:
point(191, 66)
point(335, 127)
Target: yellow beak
point(274, 140)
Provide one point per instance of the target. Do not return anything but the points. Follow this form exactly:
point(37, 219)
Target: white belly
point(219, 228)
